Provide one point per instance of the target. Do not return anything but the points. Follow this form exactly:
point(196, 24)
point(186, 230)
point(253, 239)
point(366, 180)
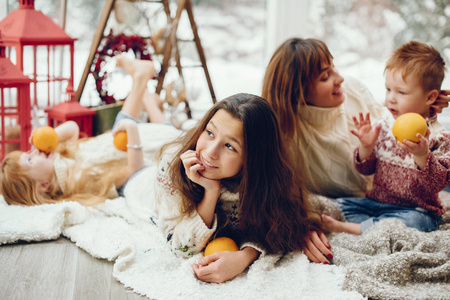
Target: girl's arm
point(207, 206)
point(68, 131)
point(135, 155)
point(224, 265)
point(186, 234)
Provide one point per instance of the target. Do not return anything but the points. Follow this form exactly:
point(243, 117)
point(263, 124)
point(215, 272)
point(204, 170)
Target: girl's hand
point(192, 165)
point(441, 101)
point(420, 150)
point(224, 265)
point(317, 246)
point(124, 125)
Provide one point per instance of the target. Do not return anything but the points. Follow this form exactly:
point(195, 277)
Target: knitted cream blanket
point(143, 261)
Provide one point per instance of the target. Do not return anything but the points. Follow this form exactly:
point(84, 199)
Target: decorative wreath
point(112, 45)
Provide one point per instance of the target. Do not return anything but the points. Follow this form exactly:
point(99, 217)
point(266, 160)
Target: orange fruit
point(45, 139)
point(408, 125)
point(121, 141)
point(220, 244)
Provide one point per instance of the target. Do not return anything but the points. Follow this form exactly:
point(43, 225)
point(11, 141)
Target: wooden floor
point(57, 270)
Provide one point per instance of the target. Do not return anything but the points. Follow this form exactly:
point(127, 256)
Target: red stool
point(71, 111)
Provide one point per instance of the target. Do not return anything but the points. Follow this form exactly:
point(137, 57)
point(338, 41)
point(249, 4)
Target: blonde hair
point(420, 60)
point(89, 186)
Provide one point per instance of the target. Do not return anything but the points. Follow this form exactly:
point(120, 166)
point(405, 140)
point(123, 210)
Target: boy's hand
point(420, 150)
point(366, 133)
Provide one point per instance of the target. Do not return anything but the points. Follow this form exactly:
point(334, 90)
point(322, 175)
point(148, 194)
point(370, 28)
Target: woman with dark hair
point(314, 106)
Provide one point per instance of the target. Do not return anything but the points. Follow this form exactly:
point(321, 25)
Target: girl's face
point(220, 147)
point(327, 90)
point(405, 95)
point(38, 165)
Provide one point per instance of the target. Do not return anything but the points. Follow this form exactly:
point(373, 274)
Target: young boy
point(407, 176)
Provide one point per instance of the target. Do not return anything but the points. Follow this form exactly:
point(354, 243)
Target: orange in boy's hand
point(220, 244)
point(45, 139)
point(408, 125)
point(121, 141)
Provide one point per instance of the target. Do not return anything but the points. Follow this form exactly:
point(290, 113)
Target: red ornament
point(111, 46)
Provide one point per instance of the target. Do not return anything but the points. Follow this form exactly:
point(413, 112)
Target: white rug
point(143, 261)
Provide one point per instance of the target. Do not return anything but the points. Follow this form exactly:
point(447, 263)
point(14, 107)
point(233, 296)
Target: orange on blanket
point(45, 139)
point(121, 140)
point(220, 244)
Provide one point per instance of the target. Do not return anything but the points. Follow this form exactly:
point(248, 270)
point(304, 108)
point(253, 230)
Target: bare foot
point(138, 69)
point(332, 225)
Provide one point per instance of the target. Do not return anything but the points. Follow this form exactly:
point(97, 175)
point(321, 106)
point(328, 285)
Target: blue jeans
point(366, 212)
point(121, 115)
point(447, 189)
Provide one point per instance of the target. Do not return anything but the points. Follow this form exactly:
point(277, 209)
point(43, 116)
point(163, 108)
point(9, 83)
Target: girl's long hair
point(89, 186)
point(274, 210)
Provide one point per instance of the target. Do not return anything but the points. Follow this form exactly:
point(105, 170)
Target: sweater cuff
point(358, 161)
point(254, 246)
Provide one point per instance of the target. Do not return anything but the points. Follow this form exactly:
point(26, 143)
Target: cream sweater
point(151, 196)
point(329, 145)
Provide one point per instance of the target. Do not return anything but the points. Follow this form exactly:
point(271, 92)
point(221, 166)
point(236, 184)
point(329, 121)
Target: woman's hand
point(441, 101)
point(192, 165)
point(317, 246)
point(222, 266)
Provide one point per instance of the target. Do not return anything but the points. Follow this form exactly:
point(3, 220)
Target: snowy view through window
point(359, 33)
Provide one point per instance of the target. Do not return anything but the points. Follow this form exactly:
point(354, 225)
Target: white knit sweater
point(151, 196)
point(325, 132)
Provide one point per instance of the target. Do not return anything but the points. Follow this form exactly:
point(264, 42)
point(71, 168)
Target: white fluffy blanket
point(142, 260)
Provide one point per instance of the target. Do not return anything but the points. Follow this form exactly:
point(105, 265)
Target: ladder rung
point(185, 40)
point(193, 66)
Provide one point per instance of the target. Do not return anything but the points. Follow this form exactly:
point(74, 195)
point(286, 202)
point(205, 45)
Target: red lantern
point(38, 40)
point(15, 107)
point(40, 47)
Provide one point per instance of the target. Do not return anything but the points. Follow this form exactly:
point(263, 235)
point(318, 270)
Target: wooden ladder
point(170, 49)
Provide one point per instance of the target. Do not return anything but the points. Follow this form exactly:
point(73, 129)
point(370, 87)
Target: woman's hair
point(420, 60)
point(274, 210)
point(290, 76)
point(83, 185)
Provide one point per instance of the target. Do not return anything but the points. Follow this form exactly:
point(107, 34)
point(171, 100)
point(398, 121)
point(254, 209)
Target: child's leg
point(333, 225)
point(413, 218)
point(141, 71)
point(357, 210)
point(153, 106)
